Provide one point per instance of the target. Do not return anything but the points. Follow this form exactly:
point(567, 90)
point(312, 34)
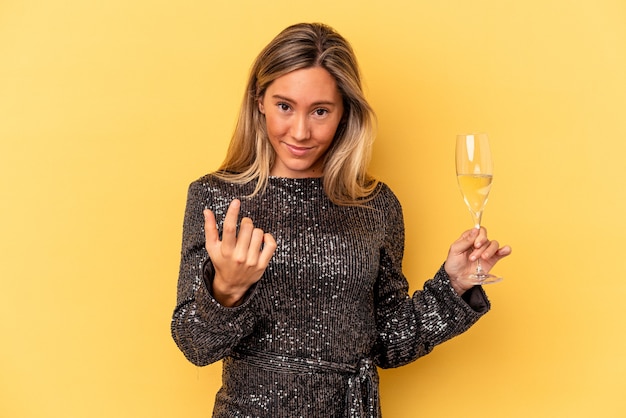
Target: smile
point(298, 151)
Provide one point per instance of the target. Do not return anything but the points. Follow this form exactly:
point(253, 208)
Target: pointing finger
point(229, 234)
point(481, 238)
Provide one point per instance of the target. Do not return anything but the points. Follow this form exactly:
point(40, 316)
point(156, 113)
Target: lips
point(298, 151)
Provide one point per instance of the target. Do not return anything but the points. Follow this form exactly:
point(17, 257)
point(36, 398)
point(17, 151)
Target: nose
point(300, 127)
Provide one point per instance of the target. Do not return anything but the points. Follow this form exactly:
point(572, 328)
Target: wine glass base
point(484, 278)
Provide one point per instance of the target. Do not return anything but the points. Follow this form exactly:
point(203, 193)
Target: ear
point(261, 107)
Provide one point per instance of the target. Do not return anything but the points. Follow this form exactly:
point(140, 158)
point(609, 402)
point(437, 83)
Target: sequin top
point(332, 305)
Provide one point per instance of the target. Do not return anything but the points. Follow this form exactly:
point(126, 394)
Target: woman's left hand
point(465, 252)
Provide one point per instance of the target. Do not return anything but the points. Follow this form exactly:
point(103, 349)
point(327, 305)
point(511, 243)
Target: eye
point(321, 112)
point(283, 107)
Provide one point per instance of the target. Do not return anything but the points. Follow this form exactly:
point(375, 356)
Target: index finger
point(229, 234)
point(481, 239)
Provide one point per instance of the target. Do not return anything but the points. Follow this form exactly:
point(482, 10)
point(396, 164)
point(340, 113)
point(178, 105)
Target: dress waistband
point(362, 397)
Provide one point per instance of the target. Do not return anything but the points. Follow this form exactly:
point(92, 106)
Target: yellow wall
point(108, 109)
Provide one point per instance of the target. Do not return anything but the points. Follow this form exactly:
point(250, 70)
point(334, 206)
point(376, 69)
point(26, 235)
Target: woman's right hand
point(240, 259)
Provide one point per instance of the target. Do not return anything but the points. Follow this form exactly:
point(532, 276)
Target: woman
point(304, 296)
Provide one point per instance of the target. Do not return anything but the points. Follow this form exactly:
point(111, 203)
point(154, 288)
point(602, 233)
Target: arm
point(409, 328)
point(204, 330)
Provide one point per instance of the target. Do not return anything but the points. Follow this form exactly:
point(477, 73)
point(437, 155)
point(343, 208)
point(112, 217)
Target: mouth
point(298, 151)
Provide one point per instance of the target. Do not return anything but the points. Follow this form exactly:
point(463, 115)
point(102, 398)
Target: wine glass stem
point(479, 268)
point(477, 216)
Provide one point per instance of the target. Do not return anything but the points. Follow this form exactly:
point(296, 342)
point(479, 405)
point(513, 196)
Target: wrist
point(458, 288)
point(455, 282)
point(226, 295)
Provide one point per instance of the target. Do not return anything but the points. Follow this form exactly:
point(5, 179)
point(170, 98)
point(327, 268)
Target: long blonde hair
point(250, 155)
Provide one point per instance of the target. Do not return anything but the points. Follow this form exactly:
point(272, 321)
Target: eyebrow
point(319, 103)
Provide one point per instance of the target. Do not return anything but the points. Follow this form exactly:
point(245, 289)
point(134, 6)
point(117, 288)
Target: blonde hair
point(250, 155)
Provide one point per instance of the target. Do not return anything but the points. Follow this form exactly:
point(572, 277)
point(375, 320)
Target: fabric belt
point(362, 398)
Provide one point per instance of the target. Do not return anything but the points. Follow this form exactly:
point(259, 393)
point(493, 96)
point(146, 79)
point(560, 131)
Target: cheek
point(327, 133)
point(274, 127)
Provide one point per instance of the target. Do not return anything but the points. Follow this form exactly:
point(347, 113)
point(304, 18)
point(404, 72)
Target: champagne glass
point(474, 171)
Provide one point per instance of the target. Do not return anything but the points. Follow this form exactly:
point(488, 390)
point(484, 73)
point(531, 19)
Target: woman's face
point(302, 111)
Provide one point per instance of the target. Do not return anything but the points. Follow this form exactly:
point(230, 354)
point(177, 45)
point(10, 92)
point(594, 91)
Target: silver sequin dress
point(332, 306)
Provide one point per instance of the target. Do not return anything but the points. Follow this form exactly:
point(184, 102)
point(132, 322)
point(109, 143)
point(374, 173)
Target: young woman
point(291, 269)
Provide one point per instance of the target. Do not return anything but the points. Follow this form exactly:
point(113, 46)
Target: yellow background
point(108, 109)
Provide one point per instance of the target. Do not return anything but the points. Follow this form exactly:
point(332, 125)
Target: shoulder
point(203, 188)
point(385, 198)
point(385, 206)
point(210, 179)
point(213, 182)
point(214, 191)
point(388, 212)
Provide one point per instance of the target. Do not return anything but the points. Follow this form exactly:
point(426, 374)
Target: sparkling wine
point(475, 189)
point(474, 170)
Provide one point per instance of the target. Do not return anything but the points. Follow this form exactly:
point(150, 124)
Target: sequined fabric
point(331, 307)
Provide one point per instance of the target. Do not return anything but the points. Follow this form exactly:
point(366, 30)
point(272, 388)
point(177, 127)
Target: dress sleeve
point(410, 327)
point(204, 330)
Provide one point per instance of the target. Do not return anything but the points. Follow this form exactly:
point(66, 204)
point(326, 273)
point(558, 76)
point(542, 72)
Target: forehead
point(312, 84)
